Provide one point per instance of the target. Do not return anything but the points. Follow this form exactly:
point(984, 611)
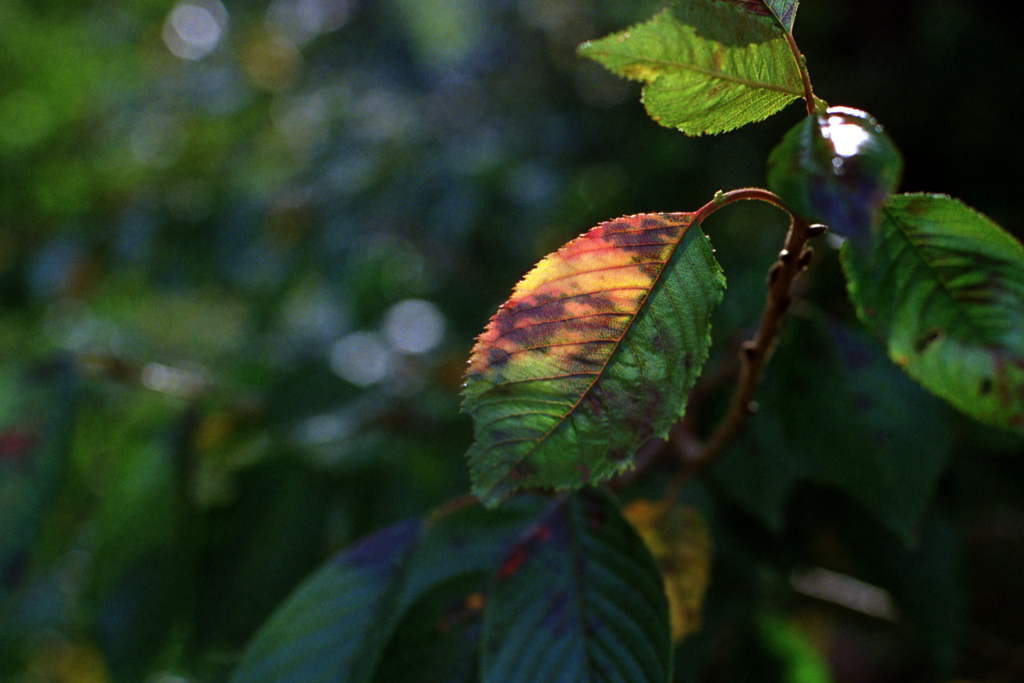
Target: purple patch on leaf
point(382, 548)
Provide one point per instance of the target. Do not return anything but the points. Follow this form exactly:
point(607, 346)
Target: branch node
point(805, 258)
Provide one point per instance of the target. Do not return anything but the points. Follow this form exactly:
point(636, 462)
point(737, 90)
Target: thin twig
point(755, 353)
point(746, 193)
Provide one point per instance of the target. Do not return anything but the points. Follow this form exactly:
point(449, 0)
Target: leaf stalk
point(743, 194)
point(801, 64)
point(755, 353)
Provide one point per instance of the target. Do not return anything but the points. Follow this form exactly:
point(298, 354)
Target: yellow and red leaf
point(592, 355)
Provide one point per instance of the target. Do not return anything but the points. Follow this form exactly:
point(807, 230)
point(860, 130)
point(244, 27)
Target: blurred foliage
point(245, 249)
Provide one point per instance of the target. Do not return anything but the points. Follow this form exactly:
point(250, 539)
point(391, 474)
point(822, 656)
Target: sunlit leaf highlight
point(708, 66)
point(944, 288)
point(578, 599)
point(838, 167)
point(592, 355)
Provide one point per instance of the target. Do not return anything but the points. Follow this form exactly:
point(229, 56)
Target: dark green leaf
point(944, 289)
point(708, 66)
point(835, 411)
point(758, 472)
point(838, 168)
point(335, 627)
point(438, 640)
point(578, 599)
point(467, 541)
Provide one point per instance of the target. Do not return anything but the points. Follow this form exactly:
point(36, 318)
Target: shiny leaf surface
point(838, 169)
point(592, 356)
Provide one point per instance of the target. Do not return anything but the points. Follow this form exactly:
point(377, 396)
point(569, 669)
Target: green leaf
point(801, 659)
point(835, 411)
point(578, 599)
point(438, 640)
point(784, 11)
point(592, 356)
point(837, 168)
point(708, 66)
point(467, 541)
point(944, 289)
point(335, 626)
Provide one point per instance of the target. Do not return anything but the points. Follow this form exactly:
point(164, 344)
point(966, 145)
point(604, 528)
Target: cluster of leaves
point(196, 253)
point(184, 245)
point(593, 357)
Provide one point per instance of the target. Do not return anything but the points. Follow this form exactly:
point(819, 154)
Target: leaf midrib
point(604, 366)
point(962, 314)
point(668, 65)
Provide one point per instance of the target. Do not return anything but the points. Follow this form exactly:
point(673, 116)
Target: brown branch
point(755, 353)
point(746, 193)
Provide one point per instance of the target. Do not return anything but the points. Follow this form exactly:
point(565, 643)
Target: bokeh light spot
point(193, 29)
point(414, 326)
point(361, 358)
point(303, 20)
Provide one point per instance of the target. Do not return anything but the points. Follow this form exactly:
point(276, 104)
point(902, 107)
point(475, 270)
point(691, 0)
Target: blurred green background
point(245, 248)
